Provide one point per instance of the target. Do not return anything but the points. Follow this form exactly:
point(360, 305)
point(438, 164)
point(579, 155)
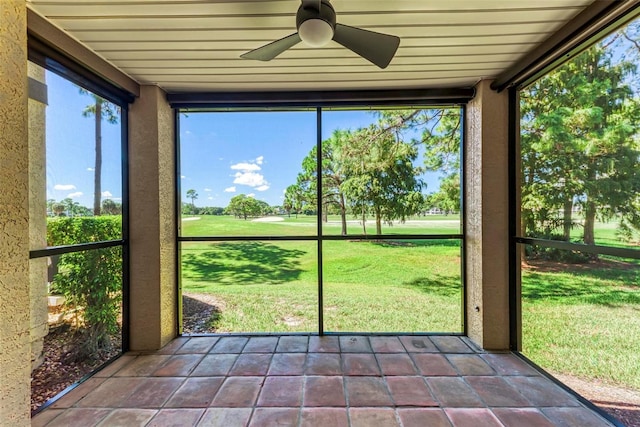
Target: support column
point(153, 317)
point(487, 218)
point(15, 351)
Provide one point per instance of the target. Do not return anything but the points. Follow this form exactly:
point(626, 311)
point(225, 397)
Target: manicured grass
point(584, 321)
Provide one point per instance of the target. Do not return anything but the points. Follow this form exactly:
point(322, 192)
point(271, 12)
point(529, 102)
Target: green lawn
point(582, 320)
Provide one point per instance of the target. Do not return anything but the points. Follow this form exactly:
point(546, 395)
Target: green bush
point(90, 280)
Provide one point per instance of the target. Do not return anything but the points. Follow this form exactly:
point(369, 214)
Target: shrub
point(90, 280)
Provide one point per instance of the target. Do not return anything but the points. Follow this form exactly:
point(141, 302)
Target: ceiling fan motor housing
point(326, 14)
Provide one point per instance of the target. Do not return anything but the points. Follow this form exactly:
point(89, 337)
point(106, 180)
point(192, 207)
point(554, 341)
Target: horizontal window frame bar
point(80, 247)
point(425, 97)
point(372, 237)
point(590, 249)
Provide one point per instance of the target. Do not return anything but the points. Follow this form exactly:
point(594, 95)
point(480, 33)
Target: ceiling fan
point(316, 25)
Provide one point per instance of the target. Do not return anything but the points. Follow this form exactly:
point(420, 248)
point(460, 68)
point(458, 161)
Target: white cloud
point(259, 160)
point(209, 198)
point(245, 167)
point(252, 179)
point(75, 195)
point(230, 189)
point(251, 195)
point(64, 187)
point(208, 190)
point(262, 188)
point(107, 194)
point(182, 176)
point(90, 169)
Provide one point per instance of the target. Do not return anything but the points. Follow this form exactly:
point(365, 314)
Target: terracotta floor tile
point(396, 364)
point(281, 391)
point(369, 417)
point(110, 393)
point(433, 365)
point(573, 417)
point(354, 344)
point(508, 364)
point(261, 345)
point(176, 418)
point(386, 345)
point(323, 364)
point(179, 365)
point(470, 364)
point(541, 391)
point(497, 392)
point(453, 391)
point(360, 364)
point(324, 344)
point(367, 391)
point(324, 391)
point(269, 417)
point(252, 364)
point(293, 344)
point(128, 418)
point(79, 417)
point(195, 393)
point(197, 345)
point(417, 344)
point(230, 345)
point(287, 364)
point(472, 417)
point(238, 392)
point(41, 419)
point(214, 365)
point(143, 365)
point(173, 346)
point(115, 366)
point(152, 392)
point(227, 417)
point(69, 399)
point(517, 417)
point(324, 417)
point(423, 417)
point(410, 391)
point(450, 344)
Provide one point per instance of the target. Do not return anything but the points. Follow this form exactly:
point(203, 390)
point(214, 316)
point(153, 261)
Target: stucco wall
point(37, 220)
point(15, 360)
point(153, 223)
point(487, 237)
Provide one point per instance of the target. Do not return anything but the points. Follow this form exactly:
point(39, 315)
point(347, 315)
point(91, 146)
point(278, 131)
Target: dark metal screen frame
point(186, 102)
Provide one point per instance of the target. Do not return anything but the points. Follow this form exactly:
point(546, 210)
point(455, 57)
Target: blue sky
point(223, 154)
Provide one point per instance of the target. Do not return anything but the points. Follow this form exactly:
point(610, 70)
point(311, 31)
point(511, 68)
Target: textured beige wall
point(152, 220)
point(486, 197)
point(37, 221)
point(15, 360)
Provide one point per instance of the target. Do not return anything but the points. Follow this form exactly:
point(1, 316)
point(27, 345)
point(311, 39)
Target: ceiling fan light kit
point(316, 25)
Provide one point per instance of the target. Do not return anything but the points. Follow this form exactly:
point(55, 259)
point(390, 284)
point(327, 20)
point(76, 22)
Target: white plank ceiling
point(195, 45)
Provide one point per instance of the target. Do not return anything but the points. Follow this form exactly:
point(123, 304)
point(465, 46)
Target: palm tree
point(100, 109)
point(191, 194)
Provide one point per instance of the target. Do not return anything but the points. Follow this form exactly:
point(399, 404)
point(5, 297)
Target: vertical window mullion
point(319, 217)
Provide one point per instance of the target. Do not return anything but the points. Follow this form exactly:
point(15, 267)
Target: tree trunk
point(97, 174)
point(378, 221)
point(568, 211)
point(325, 214)
point(589, 222)
point(364, 221)
point(343, 215)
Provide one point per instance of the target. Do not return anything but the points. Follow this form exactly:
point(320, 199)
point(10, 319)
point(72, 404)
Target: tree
point(100, 109)
point(110, 207)
point(193, 195)
point(579, 145)
point(243, 206)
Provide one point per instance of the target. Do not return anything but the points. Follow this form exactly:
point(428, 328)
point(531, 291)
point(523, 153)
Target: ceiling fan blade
point(375, 47)
point(273, 49)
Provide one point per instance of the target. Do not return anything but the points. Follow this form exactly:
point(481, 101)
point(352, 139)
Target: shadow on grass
point(445, 286)
point(199, 316)
point(243, 263)
point(597, 284)
point(422, 243)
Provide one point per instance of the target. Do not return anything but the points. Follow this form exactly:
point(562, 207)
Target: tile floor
point(318, 381)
